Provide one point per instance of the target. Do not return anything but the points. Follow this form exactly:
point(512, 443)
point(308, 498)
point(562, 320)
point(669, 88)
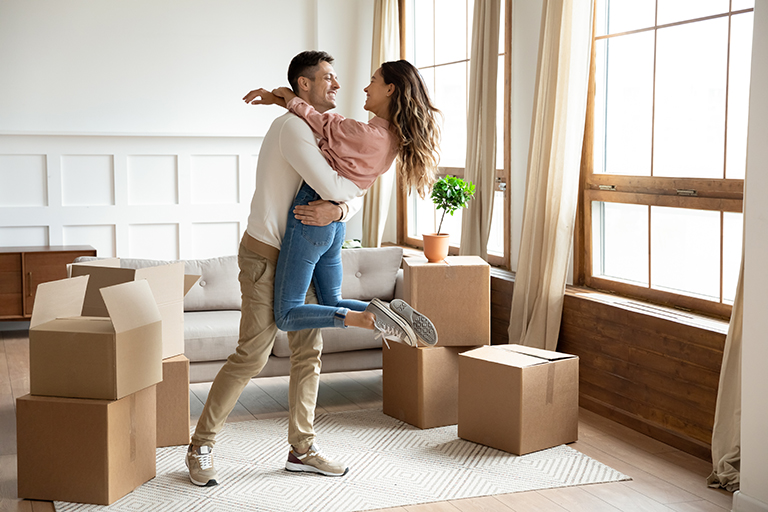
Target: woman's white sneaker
point(389, 324)
point(420, 324)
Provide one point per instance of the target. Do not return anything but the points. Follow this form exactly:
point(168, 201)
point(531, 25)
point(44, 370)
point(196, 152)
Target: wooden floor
point(663, 478)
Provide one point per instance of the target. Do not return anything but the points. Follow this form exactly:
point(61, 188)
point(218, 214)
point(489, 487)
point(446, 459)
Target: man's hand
point(318, 213)
point(263, 97)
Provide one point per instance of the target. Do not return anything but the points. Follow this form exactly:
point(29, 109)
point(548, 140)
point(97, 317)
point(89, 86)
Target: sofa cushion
point(217, 288)
point(210, 335)
point(370, 272)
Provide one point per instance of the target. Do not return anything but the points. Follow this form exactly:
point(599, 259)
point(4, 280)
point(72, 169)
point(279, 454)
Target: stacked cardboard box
point(518, 399)
point(87, 433)
point(169, 286)
point(420, 384)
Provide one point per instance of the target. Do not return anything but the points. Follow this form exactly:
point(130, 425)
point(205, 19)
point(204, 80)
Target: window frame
point(716, 194)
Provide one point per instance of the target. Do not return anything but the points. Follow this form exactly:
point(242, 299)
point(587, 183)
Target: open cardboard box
point(94, 357)
point(518, 399)
point(168, 283)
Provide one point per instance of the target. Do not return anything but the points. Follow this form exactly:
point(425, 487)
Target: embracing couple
point(313, 169)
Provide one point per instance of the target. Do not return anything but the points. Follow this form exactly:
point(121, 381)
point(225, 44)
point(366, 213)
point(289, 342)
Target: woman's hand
point(284, 92)
point(264, 97)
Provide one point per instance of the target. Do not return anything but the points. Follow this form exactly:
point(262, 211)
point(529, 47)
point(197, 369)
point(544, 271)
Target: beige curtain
point(726, 433)
point(386, 47)
point(480, 166)
point(553, 172)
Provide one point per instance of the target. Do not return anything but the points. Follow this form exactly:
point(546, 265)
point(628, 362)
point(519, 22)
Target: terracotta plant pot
point(436, 247)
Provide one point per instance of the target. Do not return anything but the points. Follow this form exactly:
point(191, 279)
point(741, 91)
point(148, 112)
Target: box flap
point(189, 282)
point(165, 281)
point(130, 305)
point(499, 354)
point(105, 262)
point(58, 299)
point(549, 355)
point(101, 277)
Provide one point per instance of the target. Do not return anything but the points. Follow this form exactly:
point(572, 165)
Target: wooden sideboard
point(23, 268)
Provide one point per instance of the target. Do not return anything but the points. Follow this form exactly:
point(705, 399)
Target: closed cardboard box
point(92, 357)
point(518, 399)
point(86, 451)
point(420, 384)
point(173, 403)
point(168, 283)
point(455, 294)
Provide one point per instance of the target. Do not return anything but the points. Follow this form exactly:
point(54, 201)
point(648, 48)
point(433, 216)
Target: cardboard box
point(89, 357)
point(87, 451)
point(455, 294)
point(173, 403)
point(421, 384)
point(169, 285)
point(518, 399)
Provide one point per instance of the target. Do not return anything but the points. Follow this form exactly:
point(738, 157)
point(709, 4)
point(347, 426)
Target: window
point(663, 177)
point(438, 36)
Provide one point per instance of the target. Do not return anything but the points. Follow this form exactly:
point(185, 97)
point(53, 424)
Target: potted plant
point(449, 194)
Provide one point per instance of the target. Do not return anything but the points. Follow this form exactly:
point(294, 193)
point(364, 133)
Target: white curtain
point(726, 432)
point(553, 172)
point(386, 47)
point(480, 166)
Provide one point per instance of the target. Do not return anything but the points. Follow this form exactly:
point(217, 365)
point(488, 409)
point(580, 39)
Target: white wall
point(753, 496)
point(122, 123)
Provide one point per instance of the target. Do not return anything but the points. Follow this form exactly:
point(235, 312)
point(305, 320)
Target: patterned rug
point(391, 464)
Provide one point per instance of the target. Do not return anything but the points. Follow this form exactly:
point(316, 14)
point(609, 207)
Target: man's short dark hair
point(303, 65)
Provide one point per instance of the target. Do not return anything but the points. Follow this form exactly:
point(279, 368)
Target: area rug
point(391, 464)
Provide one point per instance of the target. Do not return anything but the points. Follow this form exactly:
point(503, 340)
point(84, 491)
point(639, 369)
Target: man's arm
point(298, 147)
point(322, 213)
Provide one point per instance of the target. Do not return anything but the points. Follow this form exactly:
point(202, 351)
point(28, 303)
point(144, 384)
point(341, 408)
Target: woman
point(403, 126)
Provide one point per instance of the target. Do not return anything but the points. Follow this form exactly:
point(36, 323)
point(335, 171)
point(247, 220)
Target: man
point(289, 156)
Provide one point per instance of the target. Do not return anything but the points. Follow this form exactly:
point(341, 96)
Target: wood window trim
point(722, 195)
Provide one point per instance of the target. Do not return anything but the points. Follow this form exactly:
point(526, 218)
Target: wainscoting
point(128, 196)
point(652, 369)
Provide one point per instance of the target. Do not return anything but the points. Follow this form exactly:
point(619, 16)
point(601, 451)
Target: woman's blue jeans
point(310, 254)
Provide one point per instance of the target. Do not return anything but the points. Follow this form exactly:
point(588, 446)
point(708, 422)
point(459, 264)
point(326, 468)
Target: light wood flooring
point(663, 478)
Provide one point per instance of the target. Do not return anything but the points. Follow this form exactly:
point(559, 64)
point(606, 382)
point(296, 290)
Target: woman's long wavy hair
point(413, 121)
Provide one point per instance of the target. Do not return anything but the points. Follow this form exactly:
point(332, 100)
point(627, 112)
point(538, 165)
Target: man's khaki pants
point(257, 336)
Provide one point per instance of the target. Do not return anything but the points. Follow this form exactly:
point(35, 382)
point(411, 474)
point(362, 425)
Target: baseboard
point(745, 503)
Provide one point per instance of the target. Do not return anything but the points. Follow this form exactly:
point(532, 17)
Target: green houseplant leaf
point(450, 193)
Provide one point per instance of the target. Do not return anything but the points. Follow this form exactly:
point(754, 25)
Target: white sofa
point(212, 313)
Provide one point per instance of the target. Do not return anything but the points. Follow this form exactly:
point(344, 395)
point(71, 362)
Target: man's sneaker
point(200, 464)
point(314, 462)
point(421, 325)
point(389, 323)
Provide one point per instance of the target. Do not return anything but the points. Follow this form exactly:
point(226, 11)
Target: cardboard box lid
point(164, 281)
point(517, 356)
point(58, 299)
point(130, 305)
point(455, 261)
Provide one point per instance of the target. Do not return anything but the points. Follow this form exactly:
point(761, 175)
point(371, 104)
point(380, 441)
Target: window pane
point(738, 95)
point(423, 35)
point(421, 216)
point(451, 97)
point(671, 11)
point(451, 32)
point(733, 233)
point(685, 251)
point(500, 105)
point(616, 16)
point(620, 242)
point(624, 105)
point(690, 100)
point(496, 237)
point(737, 5)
